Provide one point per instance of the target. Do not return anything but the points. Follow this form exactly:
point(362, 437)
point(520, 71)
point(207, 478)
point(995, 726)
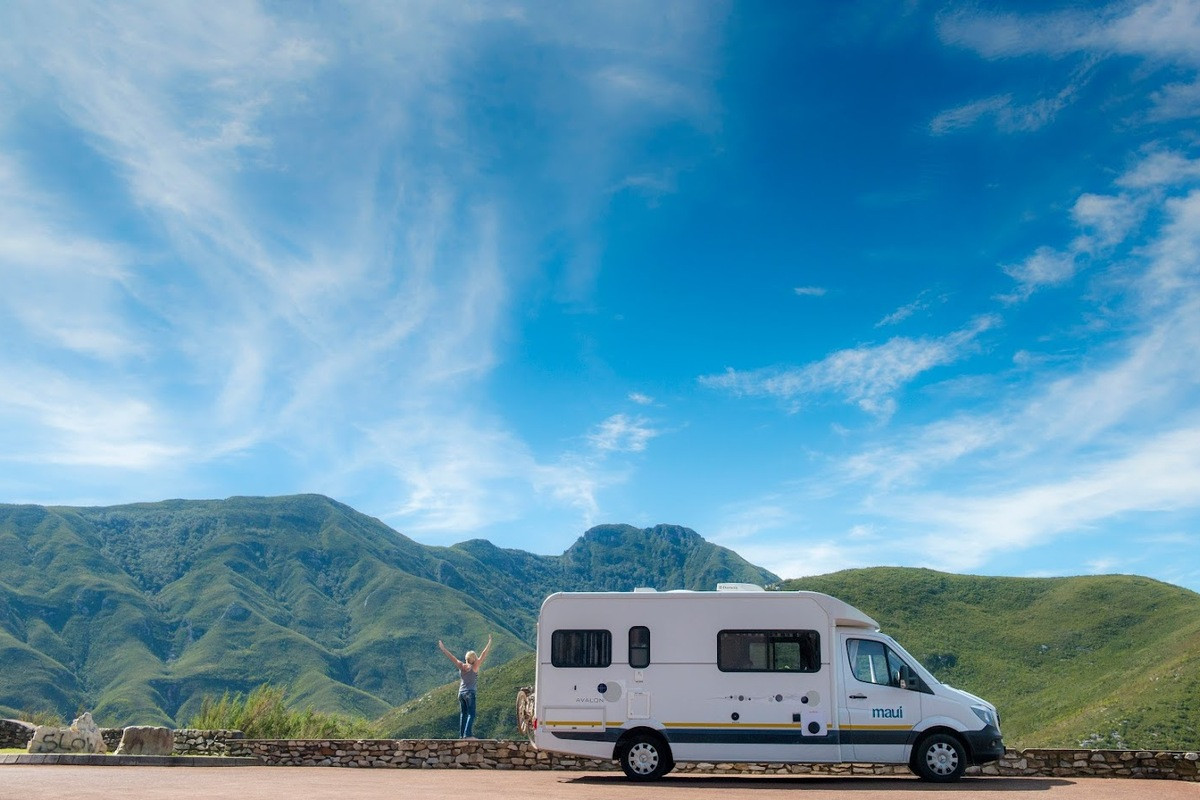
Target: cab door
point(880, 701)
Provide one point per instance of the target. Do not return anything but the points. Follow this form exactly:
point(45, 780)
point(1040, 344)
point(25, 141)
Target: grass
point(265, 714)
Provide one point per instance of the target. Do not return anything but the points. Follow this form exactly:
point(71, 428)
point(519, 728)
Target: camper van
point(741, 674)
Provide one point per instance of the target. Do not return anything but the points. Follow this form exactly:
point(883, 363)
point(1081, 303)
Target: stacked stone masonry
point(495, 754)
point(15, 733)
point(501, 754)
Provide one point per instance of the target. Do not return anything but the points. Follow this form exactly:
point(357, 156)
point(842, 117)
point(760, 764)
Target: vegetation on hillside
point(1105, 661)
point(138, 612)
point(1097, 661)
point(265, 714)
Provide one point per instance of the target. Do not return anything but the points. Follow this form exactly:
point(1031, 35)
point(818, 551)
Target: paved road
point(22, 782)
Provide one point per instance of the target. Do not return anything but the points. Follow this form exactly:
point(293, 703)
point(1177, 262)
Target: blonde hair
point(471, 656)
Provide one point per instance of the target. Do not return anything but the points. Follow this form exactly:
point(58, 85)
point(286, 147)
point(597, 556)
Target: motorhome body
point(740, 674)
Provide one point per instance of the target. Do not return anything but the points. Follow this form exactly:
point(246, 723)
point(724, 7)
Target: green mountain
point(1106, 661)
point(136, 611)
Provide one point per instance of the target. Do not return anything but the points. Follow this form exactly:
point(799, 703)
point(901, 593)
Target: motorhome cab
point(740, 674)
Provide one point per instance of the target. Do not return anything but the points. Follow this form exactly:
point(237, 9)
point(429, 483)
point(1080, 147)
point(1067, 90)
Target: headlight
point(987, 715)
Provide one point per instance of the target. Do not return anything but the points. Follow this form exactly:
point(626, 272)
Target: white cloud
point(1160, 31)
point(1085, 444)
point(1108, 219)
point(641, 399)
point(804, 557)
point(81, 423)
point(745, 521)
point(1158, 169)
point(1161, 474)
point(1046, 267)
point(343, 328)
point(811, 291)
point(922, 303)
point(965, 116)
point(866, 376)
point(623, 434)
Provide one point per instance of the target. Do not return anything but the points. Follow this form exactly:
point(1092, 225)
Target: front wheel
point(645, 758)
point(940, 758)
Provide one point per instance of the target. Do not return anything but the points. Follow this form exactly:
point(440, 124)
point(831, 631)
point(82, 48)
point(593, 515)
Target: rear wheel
point(645, 757)
point(940, 758)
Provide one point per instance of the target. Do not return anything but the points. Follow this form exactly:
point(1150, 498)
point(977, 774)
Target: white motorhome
point(741, 674)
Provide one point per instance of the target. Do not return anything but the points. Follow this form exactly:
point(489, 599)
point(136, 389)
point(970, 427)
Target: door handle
point(858, 697)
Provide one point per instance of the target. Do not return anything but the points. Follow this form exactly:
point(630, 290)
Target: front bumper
point(985, 745)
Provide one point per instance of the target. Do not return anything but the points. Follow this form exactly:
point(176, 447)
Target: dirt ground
point(20, 782)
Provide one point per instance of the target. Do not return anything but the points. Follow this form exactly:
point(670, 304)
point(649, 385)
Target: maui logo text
point(888, 713)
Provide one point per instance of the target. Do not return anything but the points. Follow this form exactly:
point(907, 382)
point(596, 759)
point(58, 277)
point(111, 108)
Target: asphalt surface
point(22, 782)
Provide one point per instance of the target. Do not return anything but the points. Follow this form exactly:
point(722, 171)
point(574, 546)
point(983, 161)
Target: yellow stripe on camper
point(877, 727)
point(731, 724)
point(574, 718)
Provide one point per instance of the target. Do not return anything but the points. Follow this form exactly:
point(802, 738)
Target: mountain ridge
point(137, 610)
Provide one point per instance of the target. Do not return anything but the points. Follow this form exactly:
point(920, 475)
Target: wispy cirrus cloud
point(1045, 267)
point(1004, 112)
point(622, 433)
point(866, 376)
point(1161, 32)
point(924, 302)
point(311, 230)
point(1084, 444)
point(1161, 474)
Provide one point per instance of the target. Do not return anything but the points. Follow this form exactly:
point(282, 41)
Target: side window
point(875, 662)
point(768, 651)
point(868, 661)
point(639, 647)
point(581, 648)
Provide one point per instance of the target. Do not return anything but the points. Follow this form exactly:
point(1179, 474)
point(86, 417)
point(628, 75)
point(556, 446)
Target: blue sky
point(833, 287)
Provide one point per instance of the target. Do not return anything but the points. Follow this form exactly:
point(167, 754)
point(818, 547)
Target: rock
point(82, 737)
point(146, 740)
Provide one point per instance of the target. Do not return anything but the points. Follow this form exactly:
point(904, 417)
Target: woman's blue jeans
point(466, 715)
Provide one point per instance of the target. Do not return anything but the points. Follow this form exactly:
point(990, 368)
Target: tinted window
point(639, 647)
point(768, 651)
point(580, 648)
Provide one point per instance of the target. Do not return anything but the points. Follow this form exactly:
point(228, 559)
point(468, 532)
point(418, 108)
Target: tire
point(525, 710)
point(645, 757)
point(940, 758)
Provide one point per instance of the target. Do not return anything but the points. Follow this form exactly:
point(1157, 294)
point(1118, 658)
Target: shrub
point(43, 717)
point(264, 714)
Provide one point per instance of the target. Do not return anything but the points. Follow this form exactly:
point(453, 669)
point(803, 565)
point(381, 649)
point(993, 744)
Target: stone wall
point(111, 737)
point(1099, 763)
point(493, 754)
point(192, 742)
point(408, 753)
point(15, 733)
point(498, 754)
point(188, 741)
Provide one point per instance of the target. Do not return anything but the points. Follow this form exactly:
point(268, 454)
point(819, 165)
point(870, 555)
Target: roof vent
point(739, 587)
point(645, 589)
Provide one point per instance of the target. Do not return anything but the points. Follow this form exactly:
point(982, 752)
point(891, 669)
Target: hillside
point(1106, 661)
point(136, 611)
point(1100, 661)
